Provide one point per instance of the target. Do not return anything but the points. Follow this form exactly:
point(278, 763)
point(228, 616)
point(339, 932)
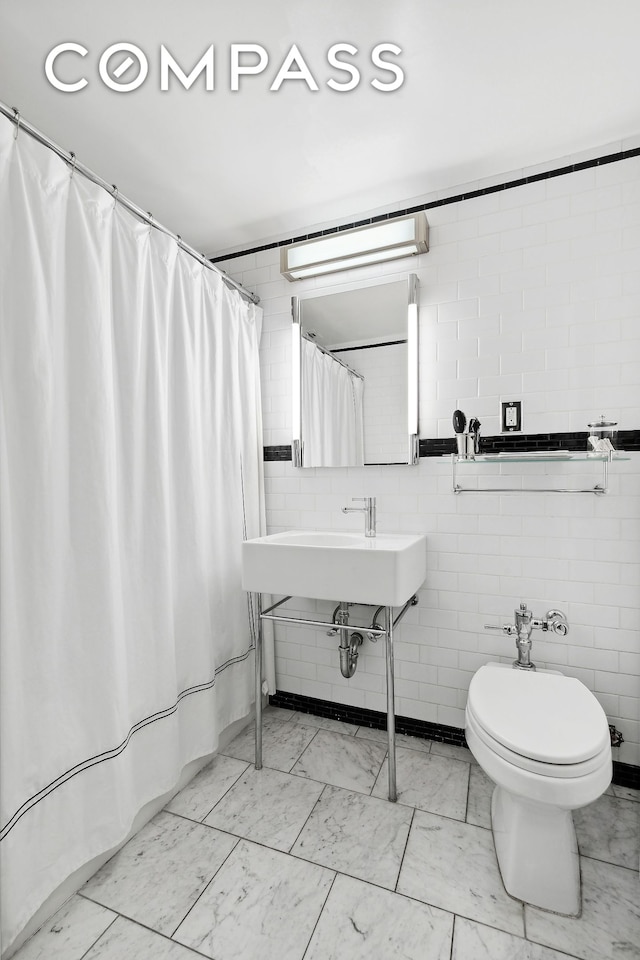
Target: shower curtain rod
point(11, 113)
point(322, 349)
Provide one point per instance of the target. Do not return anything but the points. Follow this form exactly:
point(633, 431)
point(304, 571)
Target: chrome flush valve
point(557, 622)
point(525, 622)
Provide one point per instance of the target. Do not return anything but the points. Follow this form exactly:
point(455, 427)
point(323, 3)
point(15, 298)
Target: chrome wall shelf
point(546, 456)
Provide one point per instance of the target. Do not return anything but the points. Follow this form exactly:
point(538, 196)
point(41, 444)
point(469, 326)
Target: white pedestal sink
point(385, 570)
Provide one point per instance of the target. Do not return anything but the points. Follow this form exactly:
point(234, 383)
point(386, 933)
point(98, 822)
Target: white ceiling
point(490, 86)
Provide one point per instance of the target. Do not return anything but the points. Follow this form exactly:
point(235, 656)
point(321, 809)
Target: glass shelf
point(544, 456)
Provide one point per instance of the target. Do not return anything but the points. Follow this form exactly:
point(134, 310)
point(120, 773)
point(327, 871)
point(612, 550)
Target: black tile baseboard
point(367, 718)
point(624, 774)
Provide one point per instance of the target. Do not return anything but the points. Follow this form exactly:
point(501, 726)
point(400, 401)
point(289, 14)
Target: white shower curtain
point(332, 411)
point(130, 445)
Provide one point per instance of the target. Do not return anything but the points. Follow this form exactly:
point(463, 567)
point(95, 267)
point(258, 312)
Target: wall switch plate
point(511, 416)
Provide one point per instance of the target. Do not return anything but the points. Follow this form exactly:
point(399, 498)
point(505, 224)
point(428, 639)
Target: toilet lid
point(543, 716)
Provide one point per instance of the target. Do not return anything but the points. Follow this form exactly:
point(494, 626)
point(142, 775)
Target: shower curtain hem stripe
point(115, 751)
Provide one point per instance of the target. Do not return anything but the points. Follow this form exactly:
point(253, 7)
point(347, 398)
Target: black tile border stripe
point(627, 441)
point(369, 346)
point(624, 774)
point(363, 717)
point(444, 201)
point(277, 453)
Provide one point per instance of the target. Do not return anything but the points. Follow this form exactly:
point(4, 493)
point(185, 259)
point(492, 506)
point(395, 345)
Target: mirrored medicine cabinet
point(355, 374)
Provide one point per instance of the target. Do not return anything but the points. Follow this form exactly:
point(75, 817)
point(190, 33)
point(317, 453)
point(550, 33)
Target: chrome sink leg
point(391, 716)
point(258, 755)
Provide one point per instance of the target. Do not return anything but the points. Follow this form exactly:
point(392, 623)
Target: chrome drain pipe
point(348, 650)
point(349, 643)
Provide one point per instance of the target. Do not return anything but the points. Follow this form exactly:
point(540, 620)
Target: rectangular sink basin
point(384, 570)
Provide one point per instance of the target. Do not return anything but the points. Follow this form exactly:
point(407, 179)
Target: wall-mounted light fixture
point(296, 385)
point(374, 243)
point(412, 370)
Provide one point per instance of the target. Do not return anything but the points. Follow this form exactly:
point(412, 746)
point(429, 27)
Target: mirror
point(355, 375)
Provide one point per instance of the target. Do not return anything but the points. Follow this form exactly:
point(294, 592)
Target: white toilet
point(544, 740)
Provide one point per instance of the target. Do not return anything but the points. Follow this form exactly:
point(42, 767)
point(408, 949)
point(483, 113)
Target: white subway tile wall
point(530, 294)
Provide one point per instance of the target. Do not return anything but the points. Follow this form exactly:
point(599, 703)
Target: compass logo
point(124, 67)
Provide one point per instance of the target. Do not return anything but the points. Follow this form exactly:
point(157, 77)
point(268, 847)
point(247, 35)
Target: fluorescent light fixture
point(412, 363)
point(412, 369)
point(295, 375)
point(374, 243)
point(296, 386)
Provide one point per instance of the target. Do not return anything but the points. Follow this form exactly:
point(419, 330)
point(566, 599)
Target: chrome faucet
point(369, 511)
point(555, 621)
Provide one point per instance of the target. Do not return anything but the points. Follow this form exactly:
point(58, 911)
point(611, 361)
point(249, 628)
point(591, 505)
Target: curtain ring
point(17, 118)
point(73, 162)
point(115, 194)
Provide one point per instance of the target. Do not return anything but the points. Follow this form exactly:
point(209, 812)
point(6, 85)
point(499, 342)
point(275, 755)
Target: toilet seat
point(543, 722)
point(540, 767)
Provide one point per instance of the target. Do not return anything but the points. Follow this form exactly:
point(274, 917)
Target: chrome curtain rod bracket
point(13, 114)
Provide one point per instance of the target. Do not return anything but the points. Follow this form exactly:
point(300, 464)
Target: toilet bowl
point(544, 740)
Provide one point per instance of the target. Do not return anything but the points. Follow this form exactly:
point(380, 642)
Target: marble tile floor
point(307, 860)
